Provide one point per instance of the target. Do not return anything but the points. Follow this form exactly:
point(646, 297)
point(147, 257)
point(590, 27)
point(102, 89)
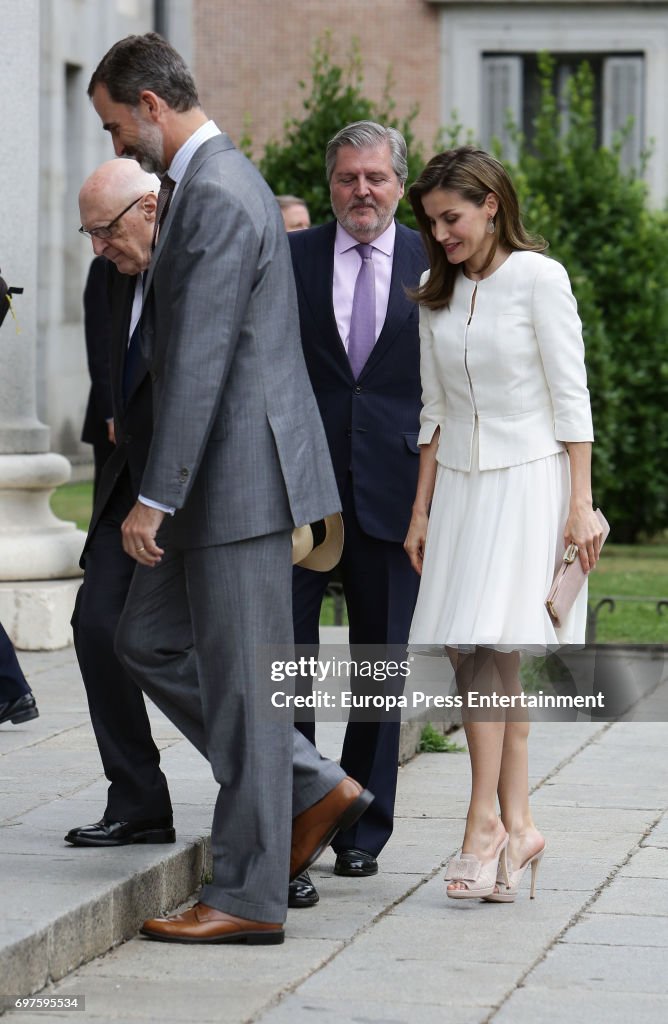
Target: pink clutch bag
point(569, 578)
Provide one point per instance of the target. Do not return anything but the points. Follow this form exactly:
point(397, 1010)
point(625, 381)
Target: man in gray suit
point(238, 456)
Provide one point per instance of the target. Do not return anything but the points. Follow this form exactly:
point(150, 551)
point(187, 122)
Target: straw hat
point(318, 545)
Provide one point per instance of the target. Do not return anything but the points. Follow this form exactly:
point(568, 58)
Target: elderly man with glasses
point(98, 424)
point(122, 240)
point(138, 807)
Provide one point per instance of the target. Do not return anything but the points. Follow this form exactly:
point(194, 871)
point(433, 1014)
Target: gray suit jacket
point(238, 444)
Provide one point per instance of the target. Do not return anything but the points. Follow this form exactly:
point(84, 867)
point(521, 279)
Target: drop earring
point(491, 226)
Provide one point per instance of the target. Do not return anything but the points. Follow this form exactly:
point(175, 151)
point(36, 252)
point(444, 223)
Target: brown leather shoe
point(314, 829)
point(206, 924)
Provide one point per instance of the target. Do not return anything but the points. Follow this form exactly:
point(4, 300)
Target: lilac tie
point(362, 335)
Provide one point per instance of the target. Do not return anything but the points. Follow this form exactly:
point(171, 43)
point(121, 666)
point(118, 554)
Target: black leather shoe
point(355, 864)
point(20, 710)
point(122, 833)
point(302, 892)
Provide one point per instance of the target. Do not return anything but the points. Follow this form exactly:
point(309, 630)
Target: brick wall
point(250, 55)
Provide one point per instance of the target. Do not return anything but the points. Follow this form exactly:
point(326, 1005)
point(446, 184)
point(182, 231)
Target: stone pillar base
point(37, 614)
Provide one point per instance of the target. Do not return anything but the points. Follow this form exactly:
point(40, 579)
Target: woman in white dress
point(504, 484)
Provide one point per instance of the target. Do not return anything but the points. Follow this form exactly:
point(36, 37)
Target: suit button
point(358, 390)
point(349, 433)
point(154, 377)
point(127, 438)
point(183, 474)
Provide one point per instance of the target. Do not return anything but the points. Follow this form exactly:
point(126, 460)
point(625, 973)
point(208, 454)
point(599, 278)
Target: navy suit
point(138, 789)
point(12, 681)
point(372, 426)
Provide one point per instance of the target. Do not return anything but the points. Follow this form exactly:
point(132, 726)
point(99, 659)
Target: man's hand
point(138, 533)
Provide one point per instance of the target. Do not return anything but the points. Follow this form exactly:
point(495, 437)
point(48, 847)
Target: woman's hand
point(415, 540)
point(417, 530)
point(584, 530)
point(582, 527)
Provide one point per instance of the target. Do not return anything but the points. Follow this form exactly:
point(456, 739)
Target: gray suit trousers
point(190, 636)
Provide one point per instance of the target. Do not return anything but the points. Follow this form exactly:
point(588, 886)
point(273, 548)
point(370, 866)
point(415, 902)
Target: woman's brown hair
point(473, 174)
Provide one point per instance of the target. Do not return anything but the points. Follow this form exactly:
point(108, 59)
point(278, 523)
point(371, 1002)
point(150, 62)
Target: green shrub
point(295, 164)
point(599, 223)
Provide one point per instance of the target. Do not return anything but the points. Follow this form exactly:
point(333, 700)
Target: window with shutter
point(488, 66)
point(501, 97)
point(623, 92)
point(511, 84)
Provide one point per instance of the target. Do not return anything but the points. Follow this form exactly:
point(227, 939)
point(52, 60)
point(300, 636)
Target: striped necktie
point(167, 186)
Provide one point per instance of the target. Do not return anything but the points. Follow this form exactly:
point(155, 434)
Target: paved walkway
point(592, 947)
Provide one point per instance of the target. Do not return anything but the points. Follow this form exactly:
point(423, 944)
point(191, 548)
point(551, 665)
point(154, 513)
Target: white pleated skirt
point(494, 541)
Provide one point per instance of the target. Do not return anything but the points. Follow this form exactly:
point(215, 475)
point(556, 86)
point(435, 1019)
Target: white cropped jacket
point(517, 362)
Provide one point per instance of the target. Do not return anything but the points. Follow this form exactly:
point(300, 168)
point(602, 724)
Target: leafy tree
point(334, 98)
point(599, 223)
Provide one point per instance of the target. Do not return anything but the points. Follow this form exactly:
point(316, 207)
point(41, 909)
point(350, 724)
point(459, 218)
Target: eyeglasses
point(106, 230)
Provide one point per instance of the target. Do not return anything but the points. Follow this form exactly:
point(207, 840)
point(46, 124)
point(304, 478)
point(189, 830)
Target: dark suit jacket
point(97, 326)
point(133, 419)
point(371, 424)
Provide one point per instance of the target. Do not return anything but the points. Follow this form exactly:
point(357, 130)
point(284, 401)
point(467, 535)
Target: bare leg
point(484, 831)
point(513, 788)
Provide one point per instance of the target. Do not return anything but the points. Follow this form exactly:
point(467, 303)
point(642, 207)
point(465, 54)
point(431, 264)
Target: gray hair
point(285, 201)
point(145, 62)
point(368, 134)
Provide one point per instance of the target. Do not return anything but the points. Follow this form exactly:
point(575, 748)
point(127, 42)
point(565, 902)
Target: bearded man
point(360, 338)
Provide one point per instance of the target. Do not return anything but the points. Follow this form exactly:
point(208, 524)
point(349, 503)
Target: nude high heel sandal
point(479, 878)
point(507, 893)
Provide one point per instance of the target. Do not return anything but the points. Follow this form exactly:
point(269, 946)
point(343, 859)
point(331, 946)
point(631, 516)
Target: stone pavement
point(392, 949)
